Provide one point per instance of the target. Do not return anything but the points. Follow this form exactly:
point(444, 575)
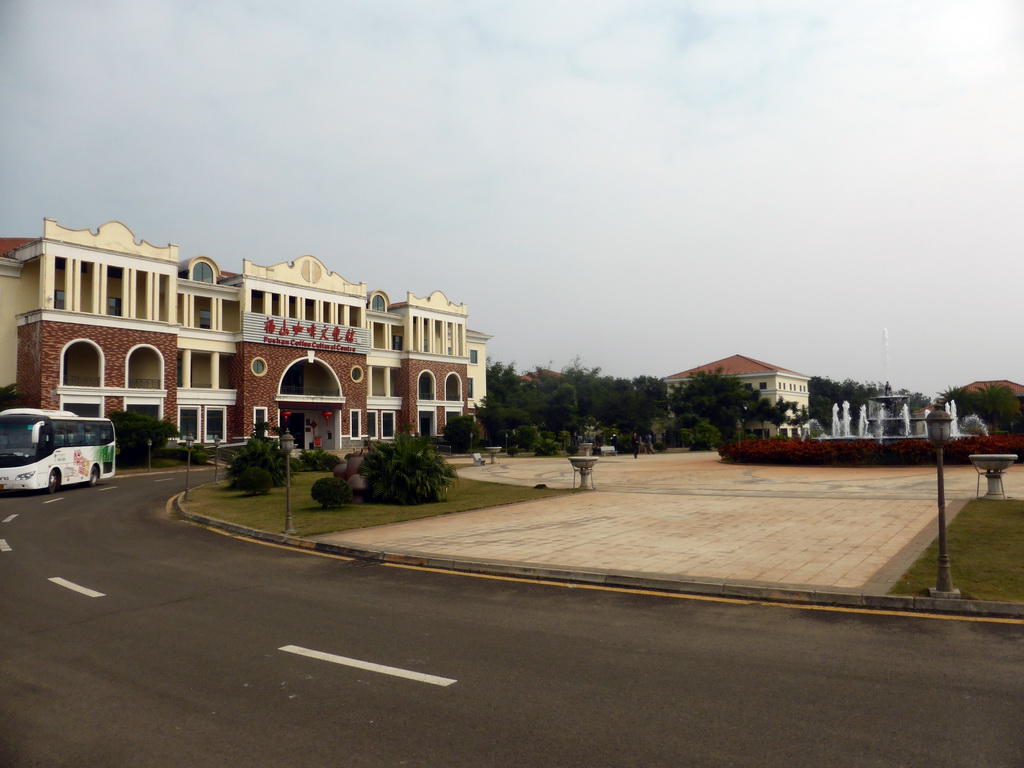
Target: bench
point(608, 450)
point(478, 460)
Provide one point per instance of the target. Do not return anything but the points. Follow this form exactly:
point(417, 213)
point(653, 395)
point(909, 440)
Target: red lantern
point(327, 415)
point(285, 415)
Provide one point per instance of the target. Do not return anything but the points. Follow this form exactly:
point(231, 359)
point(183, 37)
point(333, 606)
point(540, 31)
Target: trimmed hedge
point(331, 492)
point(865, 452)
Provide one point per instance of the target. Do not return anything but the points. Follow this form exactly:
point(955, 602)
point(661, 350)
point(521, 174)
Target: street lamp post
point(938, 422)
point(216, 458)
point(149, 454)
point(287, 444)
point(189, 442)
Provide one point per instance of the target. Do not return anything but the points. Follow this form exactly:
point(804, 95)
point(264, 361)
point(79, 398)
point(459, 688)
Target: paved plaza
point(688, 516)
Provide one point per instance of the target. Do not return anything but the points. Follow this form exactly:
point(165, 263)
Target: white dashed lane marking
point(76, 587)
point(367, 665)
point(4, 546)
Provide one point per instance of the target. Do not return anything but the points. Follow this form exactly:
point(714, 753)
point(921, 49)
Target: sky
point(643, 186)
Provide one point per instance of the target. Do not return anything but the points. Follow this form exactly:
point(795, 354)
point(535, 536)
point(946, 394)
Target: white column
point(215, 370)
point(186, 368)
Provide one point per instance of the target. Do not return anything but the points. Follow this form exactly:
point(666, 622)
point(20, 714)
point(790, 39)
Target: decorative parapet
point(306, 271)
point(112, 236)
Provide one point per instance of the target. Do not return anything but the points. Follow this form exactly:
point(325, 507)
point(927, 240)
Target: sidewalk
point(688, 522)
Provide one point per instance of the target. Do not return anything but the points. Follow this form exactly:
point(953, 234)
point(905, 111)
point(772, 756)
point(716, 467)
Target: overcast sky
point(649, 186)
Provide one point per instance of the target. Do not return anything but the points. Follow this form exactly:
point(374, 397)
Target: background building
point(95, 322)
point(772, 382)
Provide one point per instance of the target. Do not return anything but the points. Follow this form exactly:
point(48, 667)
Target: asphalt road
point(180, 662)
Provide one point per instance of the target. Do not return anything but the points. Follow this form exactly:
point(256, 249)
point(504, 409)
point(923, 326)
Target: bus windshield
point(16, 447)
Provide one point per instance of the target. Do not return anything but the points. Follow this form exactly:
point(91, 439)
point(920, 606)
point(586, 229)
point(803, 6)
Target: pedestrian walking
point(635, 440)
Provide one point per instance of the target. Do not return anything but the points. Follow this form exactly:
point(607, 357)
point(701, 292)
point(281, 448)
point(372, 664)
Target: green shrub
point(258, 453)
point(317, 460)
point(660, 447)
point(255, 481)
point(199, 455)
point(547, 446)
point(407, 470)
point(512, 450)
point(331, 491)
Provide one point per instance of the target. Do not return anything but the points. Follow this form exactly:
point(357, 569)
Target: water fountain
point(887, 418)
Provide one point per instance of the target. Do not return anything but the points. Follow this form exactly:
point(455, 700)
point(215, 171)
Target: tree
point(460, 432)
point(996, 404)
point(407, 470)
point(716, 397)
point(9, 396)
point(781, 413)
point(963, 398)
point(133, 429)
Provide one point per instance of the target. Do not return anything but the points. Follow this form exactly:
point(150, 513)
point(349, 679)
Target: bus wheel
point(94, 475)
point(54, 484)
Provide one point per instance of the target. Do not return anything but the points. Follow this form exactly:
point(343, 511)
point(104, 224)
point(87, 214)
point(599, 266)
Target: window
point(204, 318)
point(144, 409)
point(469, 388)
point(58, 299)
point(378, 304)
point(188, 422)
point(762, 385)
point(371, 424)
point(114, 273)
point(258, 366)
point(473, 357)
point(114, 306)
point(202, 272)
point(396, 343)
point(426, 388)
point(354, 420)
point(214, 423)
point(259, 415)
point(387, 424)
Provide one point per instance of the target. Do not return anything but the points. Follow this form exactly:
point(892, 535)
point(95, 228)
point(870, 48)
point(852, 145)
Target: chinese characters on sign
point(305, 334)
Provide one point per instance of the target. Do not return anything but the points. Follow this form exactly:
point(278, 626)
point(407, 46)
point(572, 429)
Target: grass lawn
point(267, 513)
point(986, 552)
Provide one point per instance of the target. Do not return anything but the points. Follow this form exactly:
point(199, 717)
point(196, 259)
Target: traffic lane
point(545, 675)
point(99, 537)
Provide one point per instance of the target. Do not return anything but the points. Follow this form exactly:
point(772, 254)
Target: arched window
point(202, 272)
point(453, 387)
point(378, 304)
point(426, 388)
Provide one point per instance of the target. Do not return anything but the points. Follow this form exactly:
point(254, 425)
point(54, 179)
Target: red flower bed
point(866, 452)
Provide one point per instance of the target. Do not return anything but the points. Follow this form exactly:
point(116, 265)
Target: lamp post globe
point(287, 445)
point(939, 425)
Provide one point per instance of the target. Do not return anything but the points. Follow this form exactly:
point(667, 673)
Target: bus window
point(60, 433)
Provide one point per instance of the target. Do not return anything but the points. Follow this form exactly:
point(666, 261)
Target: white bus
point(47, 449)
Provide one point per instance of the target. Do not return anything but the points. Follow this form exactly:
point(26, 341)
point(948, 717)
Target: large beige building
point(770, 381)
point(95, 322)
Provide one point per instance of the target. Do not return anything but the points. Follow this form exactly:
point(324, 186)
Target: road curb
point(621, 580)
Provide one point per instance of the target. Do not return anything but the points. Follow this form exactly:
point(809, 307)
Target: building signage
point(304, 334)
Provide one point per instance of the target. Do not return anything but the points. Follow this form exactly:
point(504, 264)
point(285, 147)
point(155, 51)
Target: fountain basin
point(585, 466)
point(993, 465)
point(992, 462)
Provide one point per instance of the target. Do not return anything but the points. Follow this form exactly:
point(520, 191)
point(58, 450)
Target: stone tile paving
point(689, 516)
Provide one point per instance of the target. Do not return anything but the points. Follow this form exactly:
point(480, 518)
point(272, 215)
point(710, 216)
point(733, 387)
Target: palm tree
point(407, 470)
point(964, 399)
point(997, 404)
